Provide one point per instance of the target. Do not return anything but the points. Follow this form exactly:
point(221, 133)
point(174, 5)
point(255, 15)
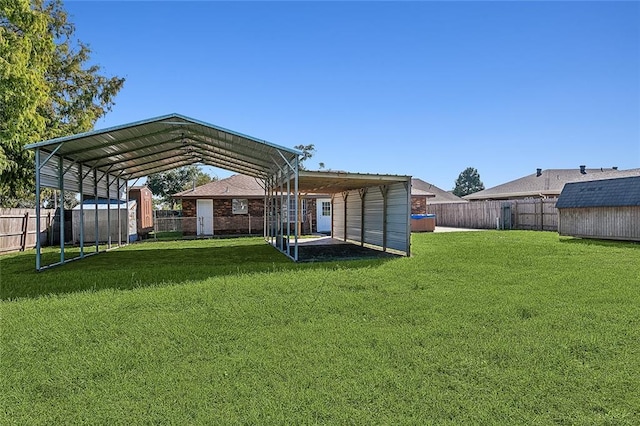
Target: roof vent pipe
point(538, 172)
point(582, 170)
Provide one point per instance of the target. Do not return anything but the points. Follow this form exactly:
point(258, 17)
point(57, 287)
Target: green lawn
point(475, 328)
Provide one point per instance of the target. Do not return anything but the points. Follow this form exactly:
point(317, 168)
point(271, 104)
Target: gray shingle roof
point(617, 192)
point(441, 196)
point(549, 183)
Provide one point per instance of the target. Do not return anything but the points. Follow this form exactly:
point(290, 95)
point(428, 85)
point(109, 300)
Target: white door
point(323, 215)
point(205, 217)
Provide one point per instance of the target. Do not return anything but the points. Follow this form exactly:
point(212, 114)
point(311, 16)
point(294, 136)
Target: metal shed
point(602, 209)
point(102, 229)
point(101, 163)
point(371, 210)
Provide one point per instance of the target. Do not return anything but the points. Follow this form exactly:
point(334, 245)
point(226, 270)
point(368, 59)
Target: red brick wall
point(189, 224)
point(227, 223)
point(418, 204)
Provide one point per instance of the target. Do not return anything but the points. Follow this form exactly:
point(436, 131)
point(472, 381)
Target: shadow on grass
point(143, 265)
point(602, 243)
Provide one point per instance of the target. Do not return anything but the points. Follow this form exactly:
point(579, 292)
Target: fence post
point(50, 229)
point(25, 227)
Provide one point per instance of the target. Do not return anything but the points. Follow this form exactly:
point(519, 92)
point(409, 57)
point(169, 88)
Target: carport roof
point(327, 182)
point(162, 143)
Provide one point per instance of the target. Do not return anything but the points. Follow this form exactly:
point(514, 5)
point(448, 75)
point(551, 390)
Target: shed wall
point(49, 178)
point(89, 225)
point(616, 223)
point(385, 223)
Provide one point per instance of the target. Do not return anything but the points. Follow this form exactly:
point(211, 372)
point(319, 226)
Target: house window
point(292, 206)
point(326, 208)
point(240, 206)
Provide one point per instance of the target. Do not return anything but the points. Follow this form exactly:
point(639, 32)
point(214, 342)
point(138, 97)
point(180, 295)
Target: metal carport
point(100, 164)
point(372, 210)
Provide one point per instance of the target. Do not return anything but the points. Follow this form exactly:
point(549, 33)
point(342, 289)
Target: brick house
point(235, 206)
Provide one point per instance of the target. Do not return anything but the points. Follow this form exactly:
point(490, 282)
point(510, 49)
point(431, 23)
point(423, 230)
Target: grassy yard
point(475, 328)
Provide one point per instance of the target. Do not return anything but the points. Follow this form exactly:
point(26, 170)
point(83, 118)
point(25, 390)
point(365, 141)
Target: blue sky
point(419, 88)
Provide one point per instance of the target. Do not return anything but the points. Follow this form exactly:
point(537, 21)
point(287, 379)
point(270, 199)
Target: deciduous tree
point(47, 87)
point(164, 185)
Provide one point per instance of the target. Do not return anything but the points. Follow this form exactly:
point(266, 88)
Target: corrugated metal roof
point(326, 182)
point(163, 143)
point(620, 192)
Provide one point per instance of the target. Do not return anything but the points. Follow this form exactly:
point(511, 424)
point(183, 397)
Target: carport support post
point(126, 210)
point(289, 214)
point(109, 212)
point(281, 223)
point(95, 203)
point(119, 218)
point(38, 243)
point(61, 207)
point(81, 189)
point(408, 188)
point(295, 188)
point(345, 195)
point(363, 193)
point(383, 190)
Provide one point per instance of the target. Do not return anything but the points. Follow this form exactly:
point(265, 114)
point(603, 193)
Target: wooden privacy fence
point(535, 214)
point(18, 228)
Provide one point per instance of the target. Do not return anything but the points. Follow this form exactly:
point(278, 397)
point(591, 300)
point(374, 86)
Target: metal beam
point(61, 206)
point(81, 189)
point(157, 169)
point(246, 156)
point(38, 243)
point(46, 160)
point(229, 164)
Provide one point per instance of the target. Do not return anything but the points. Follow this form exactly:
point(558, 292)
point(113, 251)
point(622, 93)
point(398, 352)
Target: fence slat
point(18, 229)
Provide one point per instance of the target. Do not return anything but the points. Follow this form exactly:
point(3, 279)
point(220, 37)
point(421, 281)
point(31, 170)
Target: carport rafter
point(137, 149)
point(225, 151)
point(111, 144)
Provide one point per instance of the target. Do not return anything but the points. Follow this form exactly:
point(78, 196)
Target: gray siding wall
point(615, 223)
point(49, 179)
point(396, 218)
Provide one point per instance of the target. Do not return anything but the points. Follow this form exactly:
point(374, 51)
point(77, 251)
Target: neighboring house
point(440, 196)
point(603, 209)
point(235, 206)
point(419, 200)
point(547, 183)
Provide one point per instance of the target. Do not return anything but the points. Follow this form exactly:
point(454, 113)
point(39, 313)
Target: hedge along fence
point(18, 228)
point(533, 214)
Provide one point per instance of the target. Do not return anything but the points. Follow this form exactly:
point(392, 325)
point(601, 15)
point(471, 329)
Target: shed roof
point(162, 143)
point(619, 192)
point(548, 183)
point(328, 182)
